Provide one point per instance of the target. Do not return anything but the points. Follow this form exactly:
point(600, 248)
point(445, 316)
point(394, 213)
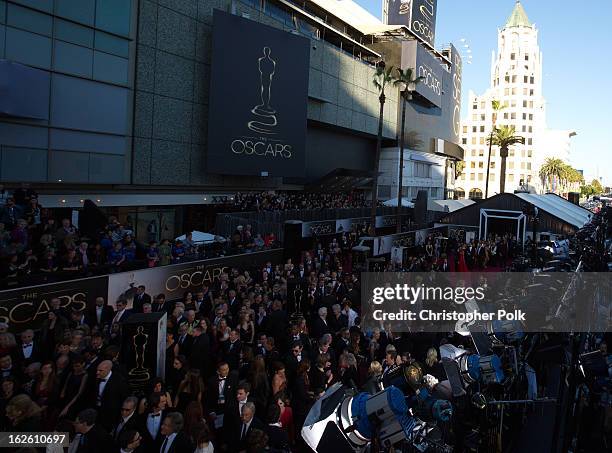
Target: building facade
point(120, 95)
point(516, 82)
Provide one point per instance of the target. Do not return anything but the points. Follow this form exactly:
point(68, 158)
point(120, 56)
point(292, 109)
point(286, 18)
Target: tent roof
point(453, 205)
point(406, 202)
point(559, 207)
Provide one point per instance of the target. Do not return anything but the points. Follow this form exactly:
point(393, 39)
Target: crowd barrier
point(27, 308)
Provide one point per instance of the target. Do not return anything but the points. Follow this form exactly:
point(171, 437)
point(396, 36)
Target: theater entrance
point(500, 222)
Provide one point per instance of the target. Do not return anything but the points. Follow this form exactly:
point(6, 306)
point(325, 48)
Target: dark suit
point(231, 418)
point(200, 354)
point(109, 408)
point(277, 437)
point(120, 427)
point(139, 301)
point(238, 440)
point(229, 392)
point(231, 353)
point(96, 440)
point(184, 344)
point(320, 328)
point(180, 444)
point(149, 443)
point(106, 316)
point(166, 306)
point(36, 355)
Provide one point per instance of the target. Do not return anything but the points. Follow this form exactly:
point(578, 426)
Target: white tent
point(405, 202)
point(198, 237)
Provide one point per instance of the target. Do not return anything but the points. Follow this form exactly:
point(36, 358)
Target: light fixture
point(63, 201)
point(59, 180)
point(98, 200)
point(82, 201)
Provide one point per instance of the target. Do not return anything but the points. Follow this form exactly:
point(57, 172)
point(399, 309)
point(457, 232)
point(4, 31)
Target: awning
point(198, 237)
point(406, 202)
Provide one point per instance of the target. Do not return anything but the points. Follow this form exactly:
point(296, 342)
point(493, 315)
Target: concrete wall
point(83, 48)
point(172, 84)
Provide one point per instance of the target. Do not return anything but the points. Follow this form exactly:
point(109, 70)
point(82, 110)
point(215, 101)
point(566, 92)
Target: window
point(513, 79)
point(114, 16)
point(472, 177)
point(513, 56)
point(474, 128)
point(507, 78)
point(522, 165)
point(513, 116)
point(473, 153)
point(510, 165)
point(481, 153)
point(525, 91)
point(492, 153)
point(482, 128)
point(465, 129)
point(472, 164)
point(480, 177)
point(529, 153)
point(384, 191)
point(464, 141)
point(526, 57)
point(506, 91)
point(531, 80)
point(525, 79)
point(482, 105)
point(459, 193)
point(482, 117)
point(480, 164)
point(422, 170)
point(510, 178)
point(513, 104)
point(530, 104)
point(473, 140)
point(511, 153)
point(528, 165)
point(491, 176)
point(530, 128)
point(530, 141)
point(475, 194)
point(474, 117)
point(531, 116)
point(524, 117)
point(525, 104)
point(530, 92)
point(513, 91)
point(505, 116)
point(492, 166)
point(474, 106)
point(482, 140)
point(524, 129)
point(523, 153)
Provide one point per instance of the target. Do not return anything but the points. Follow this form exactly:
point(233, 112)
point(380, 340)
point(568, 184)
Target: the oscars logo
point(139, 374)
point(266, 115)
point(405, 7)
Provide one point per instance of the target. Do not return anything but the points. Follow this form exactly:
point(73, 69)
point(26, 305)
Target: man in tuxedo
point(140, 299)
point(29, 350)
point(7, 368)
point(231, 350)
point(238, 440)
point(122, 312)
point(233, 414)
point(129, 441)
point(175, 440)
point(338, 319)
point(149, 423)
point(128, 420)
point(293, 359)
point(160, 304)
point(184, 340)
point(200, 352)
point(320, 326)
point(221, 389)
point(110, 390)
point(100, 315)
point(90, 437)
point(234, 305)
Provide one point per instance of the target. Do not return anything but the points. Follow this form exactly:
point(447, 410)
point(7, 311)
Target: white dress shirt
point(27, 349)
point(102, 386)
point(153, 424)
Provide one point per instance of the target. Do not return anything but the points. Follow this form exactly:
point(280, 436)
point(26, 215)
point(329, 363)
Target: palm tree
point(382, 78)
point(504, 138)
point(552, 170)
point(407, 83)
point(497, 106)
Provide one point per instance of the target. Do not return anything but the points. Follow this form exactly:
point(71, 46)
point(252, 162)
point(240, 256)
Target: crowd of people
point(242, 368)
point(35, 247)
point(284, 200)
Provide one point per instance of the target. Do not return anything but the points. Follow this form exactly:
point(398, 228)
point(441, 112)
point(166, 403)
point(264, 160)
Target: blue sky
point(576, 42)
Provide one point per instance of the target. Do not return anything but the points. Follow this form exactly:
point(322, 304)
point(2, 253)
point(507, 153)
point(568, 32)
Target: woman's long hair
point(192, 383)
point(432, 357)
point(23, 407)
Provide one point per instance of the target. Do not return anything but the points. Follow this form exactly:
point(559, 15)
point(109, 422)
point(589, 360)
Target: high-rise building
point(516, 82)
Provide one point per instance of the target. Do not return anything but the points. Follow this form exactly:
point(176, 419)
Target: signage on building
point(415, 55)
point(329, 227)
point(258, 99)
point(456, 73)
point(27, 308)
point(418, 15)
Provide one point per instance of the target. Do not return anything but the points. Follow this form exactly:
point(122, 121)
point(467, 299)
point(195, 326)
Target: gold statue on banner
point(139, 373)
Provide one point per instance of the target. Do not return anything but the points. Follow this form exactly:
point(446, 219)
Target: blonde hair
point(375, 368)
point(432, 357)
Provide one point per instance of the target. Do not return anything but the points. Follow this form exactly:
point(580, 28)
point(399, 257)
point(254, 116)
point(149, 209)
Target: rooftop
point(518, 18)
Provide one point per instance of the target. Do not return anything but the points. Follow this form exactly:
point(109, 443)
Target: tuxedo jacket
point(115, 392)
point(139, 301)
point(229, 392)
point(236, 443)
point(181, 444)
point(36, 356)
point(148, 442)
point(106, 317)
point(132, 423)
point(231, 353)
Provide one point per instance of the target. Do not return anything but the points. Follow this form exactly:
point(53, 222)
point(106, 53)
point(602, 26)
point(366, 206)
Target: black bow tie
point(154, 415)
point(103, 380)
point(29, 345)
point(222, 379)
